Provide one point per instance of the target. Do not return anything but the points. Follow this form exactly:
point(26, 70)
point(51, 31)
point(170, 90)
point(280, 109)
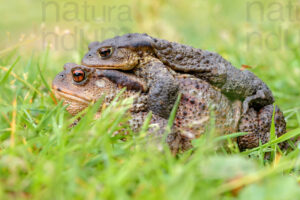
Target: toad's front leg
point(163, 89)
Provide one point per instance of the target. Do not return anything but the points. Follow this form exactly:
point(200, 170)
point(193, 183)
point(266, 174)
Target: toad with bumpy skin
point(140, 51)
point(78, 85)
point(135, 54)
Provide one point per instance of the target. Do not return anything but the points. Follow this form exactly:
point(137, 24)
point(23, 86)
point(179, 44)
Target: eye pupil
point(105, 52)
point(78, 75)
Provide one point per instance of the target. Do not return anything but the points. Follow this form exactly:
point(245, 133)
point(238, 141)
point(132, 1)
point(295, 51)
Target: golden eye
point(105, 52)
point(78, 75)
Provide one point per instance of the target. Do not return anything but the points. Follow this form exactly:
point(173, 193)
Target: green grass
point(41, 157)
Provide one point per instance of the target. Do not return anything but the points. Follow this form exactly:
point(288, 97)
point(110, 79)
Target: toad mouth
point(67, 95)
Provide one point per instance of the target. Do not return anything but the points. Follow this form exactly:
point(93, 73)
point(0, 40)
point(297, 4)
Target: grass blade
point(9, 70)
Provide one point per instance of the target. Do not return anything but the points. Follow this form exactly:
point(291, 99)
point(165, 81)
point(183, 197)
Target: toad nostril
point(90, 55)
point(58, 89)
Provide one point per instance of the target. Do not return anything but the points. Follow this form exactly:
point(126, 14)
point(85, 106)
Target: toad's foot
point(261, 98)
point(258, 124)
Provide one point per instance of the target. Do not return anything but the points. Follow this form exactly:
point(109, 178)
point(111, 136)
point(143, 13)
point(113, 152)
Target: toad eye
point(105, 52)
point(78, 75)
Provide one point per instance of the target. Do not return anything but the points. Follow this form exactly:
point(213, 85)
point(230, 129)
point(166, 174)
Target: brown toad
point(200, 104)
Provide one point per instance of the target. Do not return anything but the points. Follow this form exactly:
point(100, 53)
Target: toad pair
point(155, 71)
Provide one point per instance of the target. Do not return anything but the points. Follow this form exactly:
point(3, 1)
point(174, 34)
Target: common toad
point(137, 52)
point(200, 104)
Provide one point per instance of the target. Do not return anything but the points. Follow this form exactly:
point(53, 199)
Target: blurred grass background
point(46, 34)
